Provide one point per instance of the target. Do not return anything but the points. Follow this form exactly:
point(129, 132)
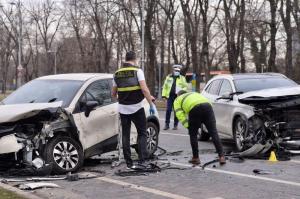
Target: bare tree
point(192, 20)
point(206, 25)
point(286, 19)
point(170, 10)
point(273, 32)
point(48, 21)
point(234, 32)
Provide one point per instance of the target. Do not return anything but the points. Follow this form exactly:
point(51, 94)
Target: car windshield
point(246, 85)
point(44, 91)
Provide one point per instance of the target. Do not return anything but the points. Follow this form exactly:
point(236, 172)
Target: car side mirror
point(89, 106)
point(226, 96)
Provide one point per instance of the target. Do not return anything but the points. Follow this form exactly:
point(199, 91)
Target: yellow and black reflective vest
point(129, 90)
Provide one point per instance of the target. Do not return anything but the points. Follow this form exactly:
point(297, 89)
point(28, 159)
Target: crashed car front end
point(275, 124)
point(23, 137)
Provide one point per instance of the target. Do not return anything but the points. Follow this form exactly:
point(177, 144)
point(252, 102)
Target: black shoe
point(175, 128)
point(166, 127)
point(129, 165)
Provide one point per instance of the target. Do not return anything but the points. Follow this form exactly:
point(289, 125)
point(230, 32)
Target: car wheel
point(65, 154)
point(239, 133)
point(203, 135)
point(152, 138)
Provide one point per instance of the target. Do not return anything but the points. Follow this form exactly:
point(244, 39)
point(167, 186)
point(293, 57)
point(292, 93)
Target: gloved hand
point(151, 110)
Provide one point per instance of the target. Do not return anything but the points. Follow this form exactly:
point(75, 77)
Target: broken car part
point(38, 185)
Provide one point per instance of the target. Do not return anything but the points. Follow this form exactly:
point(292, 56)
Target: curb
point(24, 194)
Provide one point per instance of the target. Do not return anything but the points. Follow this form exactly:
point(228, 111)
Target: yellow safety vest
point(183, 104)
point(181, 84)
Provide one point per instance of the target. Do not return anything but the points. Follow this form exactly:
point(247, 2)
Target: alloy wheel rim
point(65, 155)
point(151, 139)
point(239, 134)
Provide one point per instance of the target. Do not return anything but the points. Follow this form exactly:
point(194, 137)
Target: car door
point(102, 122)
point(211, 92)
point(224, 109)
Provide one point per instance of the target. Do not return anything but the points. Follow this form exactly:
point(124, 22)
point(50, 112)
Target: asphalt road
point(234, 180)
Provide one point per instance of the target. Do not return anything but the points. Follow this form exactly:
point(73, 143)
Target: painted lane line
point(295, 161)
point(142, 188)
point(216, 198)
point(241, 174)
point(175, 134)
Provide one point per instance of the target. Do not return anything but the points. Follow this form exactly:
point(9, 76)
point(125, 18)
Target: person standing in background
point(174, 83)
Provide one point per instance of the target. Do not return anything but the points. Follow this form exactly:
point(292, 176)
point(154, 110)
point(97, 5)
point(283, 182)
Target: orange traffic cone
point(272, 157)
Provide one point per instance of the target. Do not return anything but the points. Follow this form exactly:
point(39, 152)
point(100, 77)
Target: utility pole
point(143, 35)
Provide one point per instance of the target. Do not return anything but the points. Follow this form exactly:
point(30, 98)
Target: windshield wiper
point(236, 93)
point(52, 100)
point(32, 101)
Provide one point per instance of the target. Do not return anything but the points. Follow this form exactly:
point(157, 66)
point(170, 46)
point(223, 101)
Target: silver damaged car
point(256, 108)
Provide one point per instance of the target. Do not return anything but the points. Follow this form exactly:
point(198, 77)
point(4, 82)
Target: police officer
point(130, 87)
point(193, 109)
point(172, 85)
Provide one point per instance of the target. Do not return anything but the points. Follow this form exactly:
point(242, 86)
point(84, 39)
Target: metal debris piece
point(72, 177)
point(175, 153)
point(263, 172)
point(37, 185)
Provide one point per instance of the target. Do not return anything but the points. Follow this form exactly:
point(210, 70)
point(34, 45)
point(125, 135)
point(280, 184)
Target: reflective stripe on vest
point(131, 88)
point(126, 79)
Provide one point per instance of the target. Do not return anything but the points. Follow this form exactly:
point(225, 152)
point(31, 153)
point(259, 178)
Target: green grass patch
point(4, 194)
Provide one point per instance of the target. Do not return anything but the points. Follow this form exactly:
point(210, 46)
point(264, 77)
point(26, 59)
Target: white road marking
point(216, 198)
point(295, 161)
point(176, 134)
point(142, 188)
point(241, 175)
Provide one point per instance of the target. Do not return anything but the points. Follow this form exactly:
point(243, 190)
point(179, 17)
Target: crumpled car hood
point(271, 93)
point(15, 112)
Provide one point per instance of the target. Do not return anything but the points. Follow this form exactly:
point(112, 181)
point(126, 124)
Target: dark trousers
point(170, 102)
point(139, 120)
point(203, 114)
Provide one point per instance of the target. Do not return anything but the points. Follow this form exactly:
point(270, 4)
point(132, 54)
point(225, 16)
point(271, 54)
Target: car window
point(45, 91)
point(214, 87)
point(99, 91)
point(225, 87)
point(253, 84)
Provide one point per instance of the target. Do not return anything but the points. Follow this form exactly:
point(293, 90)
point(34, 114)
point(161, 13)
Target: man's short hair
point(130, 56)
point(181, 92)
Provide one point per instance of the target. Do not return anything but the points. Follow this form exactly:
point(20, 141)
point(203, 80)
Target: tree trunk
point(273, 32)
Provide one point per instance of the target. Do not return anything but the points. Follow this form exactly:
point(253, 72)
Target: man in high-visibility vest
point(172, 85)
point(193, 109)
point(130, 87)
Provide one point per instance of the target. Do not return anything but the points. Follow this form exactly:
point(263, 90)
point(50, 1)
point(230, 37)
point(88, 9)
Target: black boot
point(166, 127)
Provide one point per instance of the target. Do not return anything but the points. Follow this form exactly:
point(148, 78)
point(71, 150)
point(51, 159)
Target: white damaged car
point(63, 119)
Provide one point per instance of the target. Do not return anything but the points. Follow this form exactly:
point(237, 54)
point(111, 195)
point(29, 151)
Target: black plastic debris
point(262, 172)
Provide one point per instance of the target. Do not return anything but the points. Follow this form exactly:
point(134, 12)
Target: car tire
point(239, 131)
point(203, 135)
point(64, 153)
point(152, 139)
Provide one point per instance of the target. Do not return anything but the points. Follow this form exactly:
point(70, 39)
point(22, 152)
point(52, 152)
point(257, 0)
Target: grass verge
point(4, 194)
